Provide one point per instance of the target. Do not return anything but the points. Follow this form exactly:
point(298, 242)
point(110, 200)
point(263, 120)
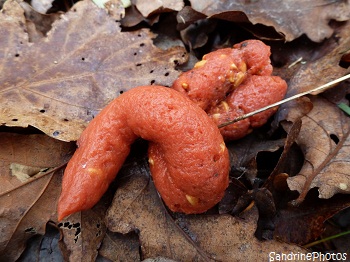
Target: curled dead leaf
point(324, 140)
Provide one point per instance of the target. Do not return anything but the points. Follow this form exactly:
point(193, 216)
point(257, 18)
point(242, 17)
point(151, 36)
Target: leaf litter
point(87, 61)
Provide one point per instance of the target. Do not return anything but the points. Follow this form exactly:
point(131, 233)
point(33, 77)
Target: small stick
point(338, 80)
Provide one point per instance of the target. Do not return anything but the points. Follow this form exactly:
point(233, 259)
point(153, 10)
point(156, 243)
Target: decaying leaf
point(244, 153)
point(306, 223)
point(119, 247)
point(23, 172)
point(137, 208)
point(83, 233)
point(26, 208)
point(315, 72)
point(78, 68)
point(147, 8)
point(324, 140)
point(291, 18)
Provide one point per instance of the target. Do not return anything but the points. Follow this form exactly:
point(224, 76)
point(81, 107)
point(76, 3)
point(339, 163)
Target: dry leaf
point(147, 8)
point(25, 208)
point(316, 72)
point(307, 222)
point(78, 68)
point(119, 247)
point(324, 140)
point(137, 208)
point(244, 153)
point(291, 18)
point(83, 233)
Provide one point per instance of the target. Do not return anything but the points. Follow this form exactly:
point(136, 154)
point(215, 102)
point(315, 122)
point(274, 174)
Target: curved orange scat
point(188, 158)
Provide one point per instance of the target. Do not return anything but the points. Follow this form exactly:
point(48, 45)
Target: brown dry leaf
point(244, 153)
point(324, 140)
point(26, 207)
point(119, 247)
point(312, 73)
point(137, 207)
point(150, 7)
point(83, 232)
point(78, 68)
point(305, 223)
point(291, 18)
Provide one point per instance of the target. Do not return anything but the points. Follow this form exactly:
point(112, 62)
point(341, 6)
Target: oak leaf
point(137, 208)
point(291, 18)
point(324, 139)
point(150, 7)
point(62, 81)
point(25, 207)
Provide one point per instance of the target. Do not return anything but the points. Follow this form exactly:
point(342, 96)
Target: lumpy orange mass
point(231, 82)
point(187, 155)
point(188, 158)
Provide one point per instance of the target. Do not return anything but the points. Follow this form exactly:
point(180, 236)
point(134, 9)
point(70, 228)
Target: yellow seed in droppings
point(233, 66)
point(184, 85)
point(243, 67)
point(240, 76)
point(193, 200)
point(94, 171)
point(200, 64)
point(222, 56)
point(225, 106)
point(151, 161)
point(204, 57)
point(222, 147)
point(216, 116)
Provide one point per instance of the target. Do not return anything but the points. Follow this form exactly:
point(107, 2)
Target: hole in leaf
point(166, 74)
point(139, 64)
point(142, 44)
point(42, 111)
point(121, 92)
point(16, 55)
point(65, 120)
point(151, 71)
point(135, 53)
point(153, 81)
point(83, 58)
point(334, 138)
point(29, 230)
point(77, 232)
point(14, 119)
point(345, 60)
